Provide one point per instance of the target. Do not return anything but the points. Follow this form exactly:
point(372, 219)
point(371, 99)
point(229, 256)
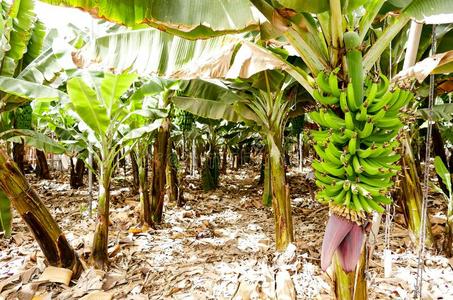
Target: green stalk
point(383, 42)
point(99, 255)
point(280, 198)
point(267, 188)
point(336, 19)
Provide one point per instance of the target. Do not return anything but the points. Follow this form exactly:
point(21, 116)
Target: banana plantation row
point(249, 74)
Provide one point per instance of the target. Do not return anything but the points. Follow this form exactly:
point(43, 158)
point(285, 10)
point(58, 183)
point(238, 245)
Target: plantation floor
point(218, 246)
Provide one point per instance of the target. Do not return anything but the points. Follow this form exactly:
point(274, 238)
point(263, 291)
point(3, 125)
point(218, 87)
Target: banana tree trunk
point(159, 176)
point(411, 194)
point(42, 168)
point(135, 180)
point(99, 256)
point(172, 179)
point(143, 189)
point(267, 184)
point(47, 233)
point(280, 194)
point(351, 285)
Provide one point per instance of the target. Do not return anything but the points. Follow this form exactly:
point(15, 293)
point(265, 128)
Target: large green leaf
point(5, 214)
point(23, 21)
point(190, 19)
point(150, 51)
point(443, 173)
point(87, 105)
point(113, 87)
point(209, 100)
point(431, 11)
point(36, 43)
point(25, 91)
point(35, 139)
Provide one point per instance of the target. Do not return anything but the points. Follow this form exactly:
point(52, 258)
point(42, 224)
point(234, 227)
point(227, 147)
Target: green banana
point(333, 169)
point(367, 129)
point(375, 206)
point(368, 167)
point(344, 102)
point(383, 199)
point(333, 120)
point(324, 100)
point(364, 203)
point(367, 152)
point(352, 146)
point(361, 116)
point(349, 121)
point(380, 103)
point(333, 84)
point(383, 86)
point(352, 104)
point(323, 83)
point(389, 123)
point(372, 92)
point(339, 199)
point(358, 168)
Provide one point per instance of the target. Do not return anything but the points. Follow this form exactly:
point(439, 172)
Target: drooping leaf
point(430, 12)
point(190, 19)
point(5, 214)
point(88, 106)
point(443, 173)
point(150, 51)
point(35, 139)
point(441, 63)
point(25, 91)
point(23, 20)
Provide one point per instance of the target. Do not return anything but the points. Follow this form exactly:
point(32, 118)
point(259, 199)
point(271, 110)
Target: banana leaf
point(88, 107)
point(23, 20)
point(440, 113)
point(189, 19)
point(430, 12)
point(34, 139)
point(25, 92)
point(443, 173)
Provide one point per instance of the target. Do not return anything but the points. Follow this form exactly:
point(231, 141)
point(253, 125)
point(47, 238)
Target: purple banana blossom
point(343, 236)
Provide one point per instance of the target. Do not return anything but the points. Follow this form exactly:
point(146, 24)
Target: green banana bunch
point(356, 145)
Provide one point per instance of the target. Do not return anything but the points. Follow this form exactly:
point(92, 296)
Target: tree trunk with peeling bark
point(158, 169)
point(46, 231)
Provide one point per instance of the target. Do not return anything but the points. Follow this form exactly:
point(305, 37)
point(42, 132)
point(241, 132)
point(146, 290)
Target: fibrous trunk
point(99, 255)
point(143, 188)
point(267, 184)
point(159, 176)
point(280, 198)
point(135, 180)
point(47, 233)
point(411, 194)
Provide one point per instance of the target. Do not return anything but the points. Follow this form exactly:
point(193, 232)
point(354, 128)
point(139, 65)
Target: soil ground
point(220, 245)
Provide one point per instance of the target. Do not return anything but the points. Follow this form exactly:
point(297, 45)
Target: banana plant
point(104, 121)
point(266, 106)
point(331, 37)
